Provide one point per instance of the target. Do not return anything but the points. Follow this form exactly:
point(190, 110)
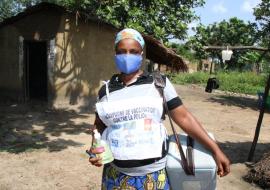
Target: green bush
point(239, 82)
point(186, 78)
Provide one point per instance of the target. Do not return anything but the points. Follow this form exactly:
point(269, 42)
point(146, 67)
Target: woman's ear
point(142, 53)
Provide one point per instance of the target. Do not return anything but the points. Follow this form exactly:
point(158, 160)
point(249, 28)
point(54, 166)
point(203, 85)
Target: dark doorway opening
point(36, 76)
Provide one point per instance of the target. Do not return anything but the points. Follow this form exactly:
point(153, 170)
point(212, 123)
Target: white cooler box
point(205, 167)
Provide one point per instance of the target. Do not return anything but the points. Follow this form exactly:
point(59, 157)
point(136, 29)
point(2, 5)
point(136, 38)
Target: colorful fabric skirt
point(114, 180)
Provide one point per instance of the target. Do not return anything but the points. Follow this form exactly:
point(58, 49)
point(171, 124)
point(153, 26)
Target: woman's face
point(128, 46)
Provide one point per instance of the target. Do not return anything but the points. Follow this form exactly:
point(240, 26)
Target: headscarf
point(130, 34)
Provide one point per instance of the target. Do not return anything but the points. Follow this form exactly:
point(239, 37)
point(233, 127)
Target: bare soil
point(44, 149)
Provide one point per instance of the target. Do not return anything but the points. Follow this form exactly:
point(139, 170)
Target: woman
point(129, 116)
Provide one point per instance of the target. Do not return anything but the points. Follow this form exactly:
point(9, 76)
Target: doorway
point(35, 70)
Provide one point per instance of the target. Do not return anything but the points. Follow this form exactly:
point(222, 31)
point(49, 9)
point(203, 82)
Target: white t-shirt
point(144, 86)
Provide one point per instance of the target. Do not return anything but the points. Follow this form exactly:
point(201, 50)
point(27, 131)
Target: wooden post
point(259, 123)
point(235, 48)
point(211, 66)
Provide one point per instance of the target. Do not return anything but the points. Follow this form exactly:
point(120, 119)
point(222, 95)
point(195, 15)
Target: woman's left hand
point(223, 163)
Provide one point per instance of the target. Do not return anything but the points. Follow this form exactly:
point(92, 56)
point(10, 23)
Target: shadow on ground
point(242, 102)
point(27, 127)
point(238, 152)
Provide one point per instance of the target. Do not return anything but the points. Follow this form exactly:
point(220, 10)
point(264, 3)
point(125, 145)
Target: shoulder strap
point(187, 163)
point(158, 80)
point(160, 84)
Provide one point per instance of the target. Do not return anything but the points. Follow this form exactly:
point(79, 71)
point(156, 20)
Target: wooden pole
point(259, 123)
point(235, 48)
point(211, 67)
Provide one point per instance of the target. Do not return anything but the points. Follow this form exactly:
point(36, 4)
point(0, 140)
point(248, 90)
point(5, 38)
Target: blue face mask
point(128, 63)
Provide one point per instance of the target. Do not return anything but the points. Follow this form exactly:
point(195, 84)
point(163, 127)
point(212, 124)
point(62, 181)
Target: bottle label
point(107, 155)
point(100, 149)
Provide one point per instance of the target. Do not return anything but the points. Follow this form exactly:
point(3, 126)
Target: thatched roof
point(155, 50)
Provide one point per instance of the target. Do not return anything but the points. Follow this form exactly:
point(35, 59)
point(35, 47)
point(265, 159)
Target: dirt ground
point(45, 149)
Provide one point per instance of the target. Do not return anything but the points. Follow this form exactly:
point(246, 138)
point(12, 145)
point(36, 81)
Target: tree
point(9, 8)
point(5, 9)
point(164, 19)
point(262, 14)
point(233, 32)
point(184, 51)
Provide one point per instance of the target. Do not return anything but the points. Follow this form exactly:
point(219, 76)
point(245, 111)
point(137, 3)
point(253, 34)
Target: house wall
point(10, 83)
point(85, 54)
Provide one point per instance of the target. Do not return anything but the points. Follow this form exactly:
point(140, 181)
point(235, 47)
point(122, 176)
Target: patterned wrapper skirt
point(114, 180)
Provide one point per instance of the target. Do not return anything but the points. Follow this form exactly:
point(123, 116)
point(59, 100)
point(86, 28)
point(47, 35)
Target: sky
point(218, 10)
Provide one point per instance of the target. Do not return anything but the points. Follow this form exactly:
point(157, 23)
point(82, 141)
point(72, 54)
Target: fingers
point(226, 168)
point(95, 161)
point(223, 168)
point(220, 170)
point(223, 164)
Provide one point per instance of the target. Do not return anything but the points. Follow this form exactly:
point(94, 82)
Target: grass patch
point(238, 82)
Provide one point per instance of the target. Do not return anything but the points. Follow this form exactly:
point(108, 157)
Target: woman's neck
point(130, 78)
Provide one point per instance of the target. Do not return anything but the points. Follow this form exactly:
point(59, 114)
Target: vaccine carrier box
point(205, 167)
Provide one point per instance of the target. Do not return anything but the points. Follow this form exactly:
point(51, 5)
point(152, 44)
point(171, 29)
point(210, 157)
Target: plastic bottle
point(104, 152)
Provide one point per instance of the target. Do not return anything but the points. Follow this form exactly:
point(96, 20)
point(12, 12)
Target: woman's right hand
point(96, 161)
